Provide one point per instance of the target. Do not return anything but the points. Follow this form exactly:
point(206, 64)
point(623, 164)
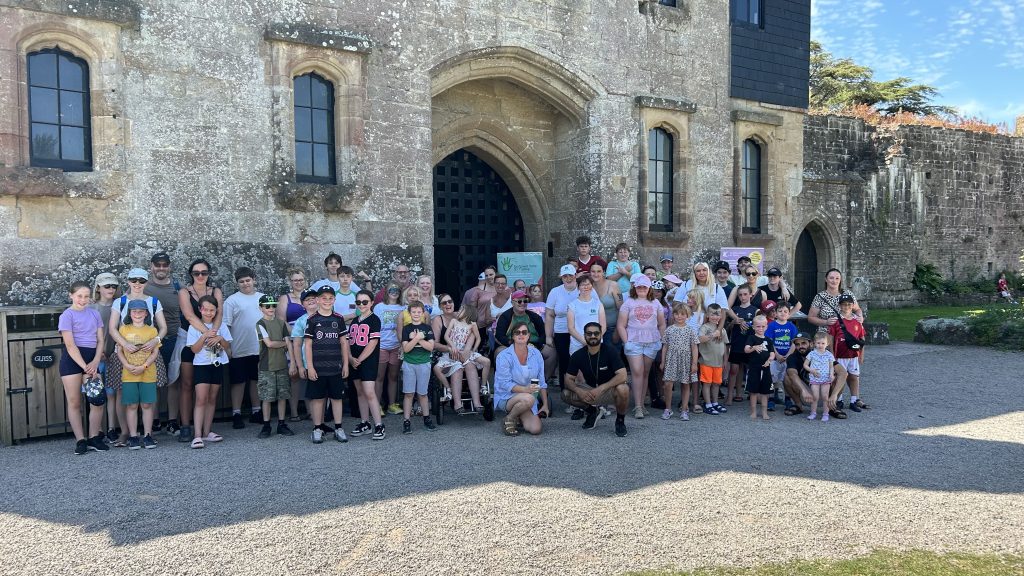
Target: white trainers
point(638, 412)
point(318, 436)
point(666, 415)
point(339, 435)
point(684, 415)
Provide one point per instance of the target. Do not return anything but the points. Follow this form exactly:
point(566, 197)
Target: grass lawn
point(903, 320)
point(880, 563)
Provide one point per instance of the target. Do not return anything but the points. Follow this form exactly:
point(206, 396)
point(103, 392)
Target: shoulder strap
point(176, 284)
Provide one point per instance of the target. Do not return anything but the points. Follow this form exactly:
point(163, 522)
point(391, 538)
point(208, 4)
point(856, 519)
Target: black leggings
point(562, 349)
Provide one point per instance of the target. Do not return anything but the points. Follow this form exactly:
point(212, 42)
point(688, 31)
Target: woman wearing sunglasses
point(188, 301)
point(137, 279)
point(519, 386)
point(105, 291)
point(756, 294)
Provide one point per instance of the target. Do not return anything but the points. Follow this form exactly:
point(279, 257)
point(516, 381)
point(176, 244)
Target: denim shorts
point(649, 349)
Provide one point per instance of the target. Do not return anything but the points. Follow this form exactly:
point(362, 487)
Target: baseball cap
point(105, 278)
point(137, 305)
point(658, 285)
point(567, 269)
point(268, 299)
point(641, 280)
point(773, 271)
point(325, 289)
point(307, 294)
point(138, 273)
point(847, 298)
point(667, 256)
point(160, 257)
point(801, 336)
point(767, 306)
point(673, 279)
point(721, 265)
point(518, 294)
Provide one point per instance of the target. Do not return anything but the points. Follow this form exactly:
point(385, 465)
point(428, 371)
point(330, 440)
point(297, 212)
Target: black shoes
point(593, 415)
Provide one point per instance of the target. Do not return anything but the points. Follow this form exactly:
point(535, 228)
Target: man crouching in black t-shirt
point(596, 377)
point(796, 386)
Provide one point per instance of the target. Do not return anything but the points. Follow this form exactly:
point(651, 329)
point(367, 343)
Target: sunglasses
point(592, 334)
point(446, 302)
point(751, 274)
point(268, 306)
point(362, 302)
point(109, 286)
point(521, 332)
point(198, 273)
point(521, 301)
point(137, 280)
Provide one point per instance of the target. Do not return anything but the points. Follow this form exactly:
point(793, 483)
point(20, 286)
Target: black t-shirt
point(757, 359)
point(361, 332)
point(796, 362)
point(738, 336)
point(325, 334)
point(606, 360)
point(776, 295)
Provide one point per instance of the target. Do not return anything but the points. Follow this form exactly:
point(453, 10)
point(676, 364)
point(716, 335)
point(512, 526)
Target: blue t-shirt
point(781, 336)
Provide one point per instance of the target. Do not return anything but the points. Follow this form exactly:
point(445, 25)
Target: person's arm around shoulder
point(620, 323)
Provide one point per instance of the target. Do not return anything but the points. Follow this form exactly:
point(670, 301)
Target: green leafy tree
point(837, 83)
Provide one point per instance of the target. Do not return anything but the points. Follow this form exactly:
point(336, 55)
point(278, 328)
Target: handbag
point(852, 342)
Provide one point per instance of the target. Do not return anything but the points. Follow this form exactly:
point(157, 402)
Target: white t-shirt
point(204, 357)
point(741, 280)
point(583, 314)
point(558, 300)
point(713, 294)
point(241, 313)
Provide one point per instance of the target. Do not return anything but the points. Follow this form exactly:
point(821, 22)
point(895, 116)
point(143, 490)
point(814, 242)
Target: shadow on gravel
point(141, 495)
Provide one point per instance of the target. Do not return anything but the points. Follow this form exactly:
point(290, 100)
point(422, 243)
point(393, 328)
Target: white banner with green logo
point(526, 266)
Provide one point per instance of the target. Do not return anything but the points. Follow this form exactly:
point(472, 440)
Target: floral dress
point(677, 347)
point(459, 332)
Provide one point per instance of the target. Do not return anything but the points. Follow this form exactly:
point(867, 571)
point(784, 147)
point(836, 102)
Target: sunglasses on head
point(198, 273)
point(362, 302)
point(137, 280)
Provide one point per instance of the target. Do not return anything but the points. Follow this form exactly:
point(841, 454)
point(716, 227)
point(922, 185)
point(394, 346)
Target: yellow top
point(139, 335)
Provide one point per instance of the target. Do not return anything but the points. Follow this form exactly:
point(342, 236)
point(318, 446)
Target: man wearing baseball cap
point(165, 288)
point(666, 266)
point(798, 392)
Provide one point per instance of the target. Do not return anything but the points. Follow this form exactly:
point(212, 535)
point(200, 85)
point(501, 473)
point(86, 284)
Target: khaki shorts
point(570, 397)
point(273, 386)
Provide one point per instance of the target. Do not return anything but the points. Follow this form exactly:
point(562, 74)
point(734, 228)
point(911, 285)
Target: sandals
point(737, 398)
point(198, 443)
point(792, 411)
point(213, 437)
point(510, 427)
point(295, 419)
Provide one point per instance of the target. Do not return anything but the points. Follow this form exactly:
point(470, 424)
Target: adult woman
point(137, 278)
point(611, 298)
point(188, 301)
point(289, 309)
point(641, 325)
point(556, 327)
point(389, 360)
point(586, 308)
point(651, 272)
point(105, 290)
point(621, 269)
point(426, 286)
point(462, 337)
point(519, 381)
point(439, 324)
point(756, 294)
point(499, 303)
point(702, 280)
point(825, 306)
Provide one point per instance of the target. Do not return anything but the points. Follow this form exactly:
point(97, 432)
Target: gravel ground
point(934, 465)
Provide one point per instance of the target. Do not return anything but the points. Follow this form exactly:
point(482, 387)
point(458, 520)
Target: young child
point(679, 360)
point(781, 332)
point(847, 357)
point(364, 338)
point(820, 374)
point(138, 375)
point(298, 346)
point(389, 310)
point(712, 341)
point(744, 312)
point(212, 350)
point(241, 312)
point(81, 328)
point(759, 373)
point(327, 362)
point(417, 343)
point(274, 383)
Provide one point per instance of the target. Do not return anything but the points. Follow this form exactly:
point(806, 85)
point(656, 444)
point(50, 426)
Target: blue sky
point(972, 51)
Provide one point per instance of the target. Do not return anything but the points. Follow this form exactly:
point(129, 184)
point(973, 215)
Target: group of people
point(613, 334)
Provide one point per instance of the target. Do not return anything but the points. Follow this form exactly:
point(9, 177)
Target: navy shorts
point(367, 371)
point(332, 387)
point(244, 369)
point(209, 374)
point(69, 367)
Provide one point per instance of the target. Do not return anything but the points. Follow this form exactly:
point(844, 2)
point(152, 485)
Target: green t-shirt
point(419, 354)
point(272, 359)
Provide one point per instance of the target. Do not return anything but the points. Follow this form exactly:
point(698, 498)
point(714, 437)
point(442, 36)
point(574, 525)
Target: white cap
point(138, 273)
point(567, 270)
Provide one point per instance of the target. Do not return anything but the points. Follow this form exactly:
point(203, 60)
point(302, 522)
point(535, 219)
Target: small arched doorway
point(805, 273)
point(475, 217)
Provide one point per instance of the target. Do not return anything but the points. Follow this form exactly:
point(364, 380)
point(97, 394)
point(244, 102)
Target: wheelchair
point(440, 396)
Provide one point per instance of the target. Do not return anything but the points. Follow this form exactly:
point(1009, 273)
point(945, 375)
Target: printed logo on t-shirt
point(644, 313)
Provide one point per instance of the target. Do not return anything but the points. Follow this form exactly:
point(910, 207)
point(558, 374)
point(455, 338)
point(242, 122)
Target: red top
point(583, 268)
point(1003, 286)
point(839, 338)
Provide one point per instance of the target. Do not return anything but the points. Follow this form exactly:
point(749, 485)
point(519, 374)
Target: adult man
point(777, 290)
point(596, 377)
point(584, 259)
point(798, 392)
point(165, 289)
point(519, 313)
point(400, 275)
point(741, 265)
point(666, 265)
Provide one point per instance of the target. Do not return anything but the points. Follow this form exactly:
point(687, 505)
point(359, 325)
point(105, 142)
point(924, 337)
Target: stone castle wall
point(914, 194)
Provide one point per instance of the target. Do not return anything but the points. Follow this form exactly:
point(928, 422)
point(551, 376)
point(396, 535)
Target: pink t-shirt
point(642, 320)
